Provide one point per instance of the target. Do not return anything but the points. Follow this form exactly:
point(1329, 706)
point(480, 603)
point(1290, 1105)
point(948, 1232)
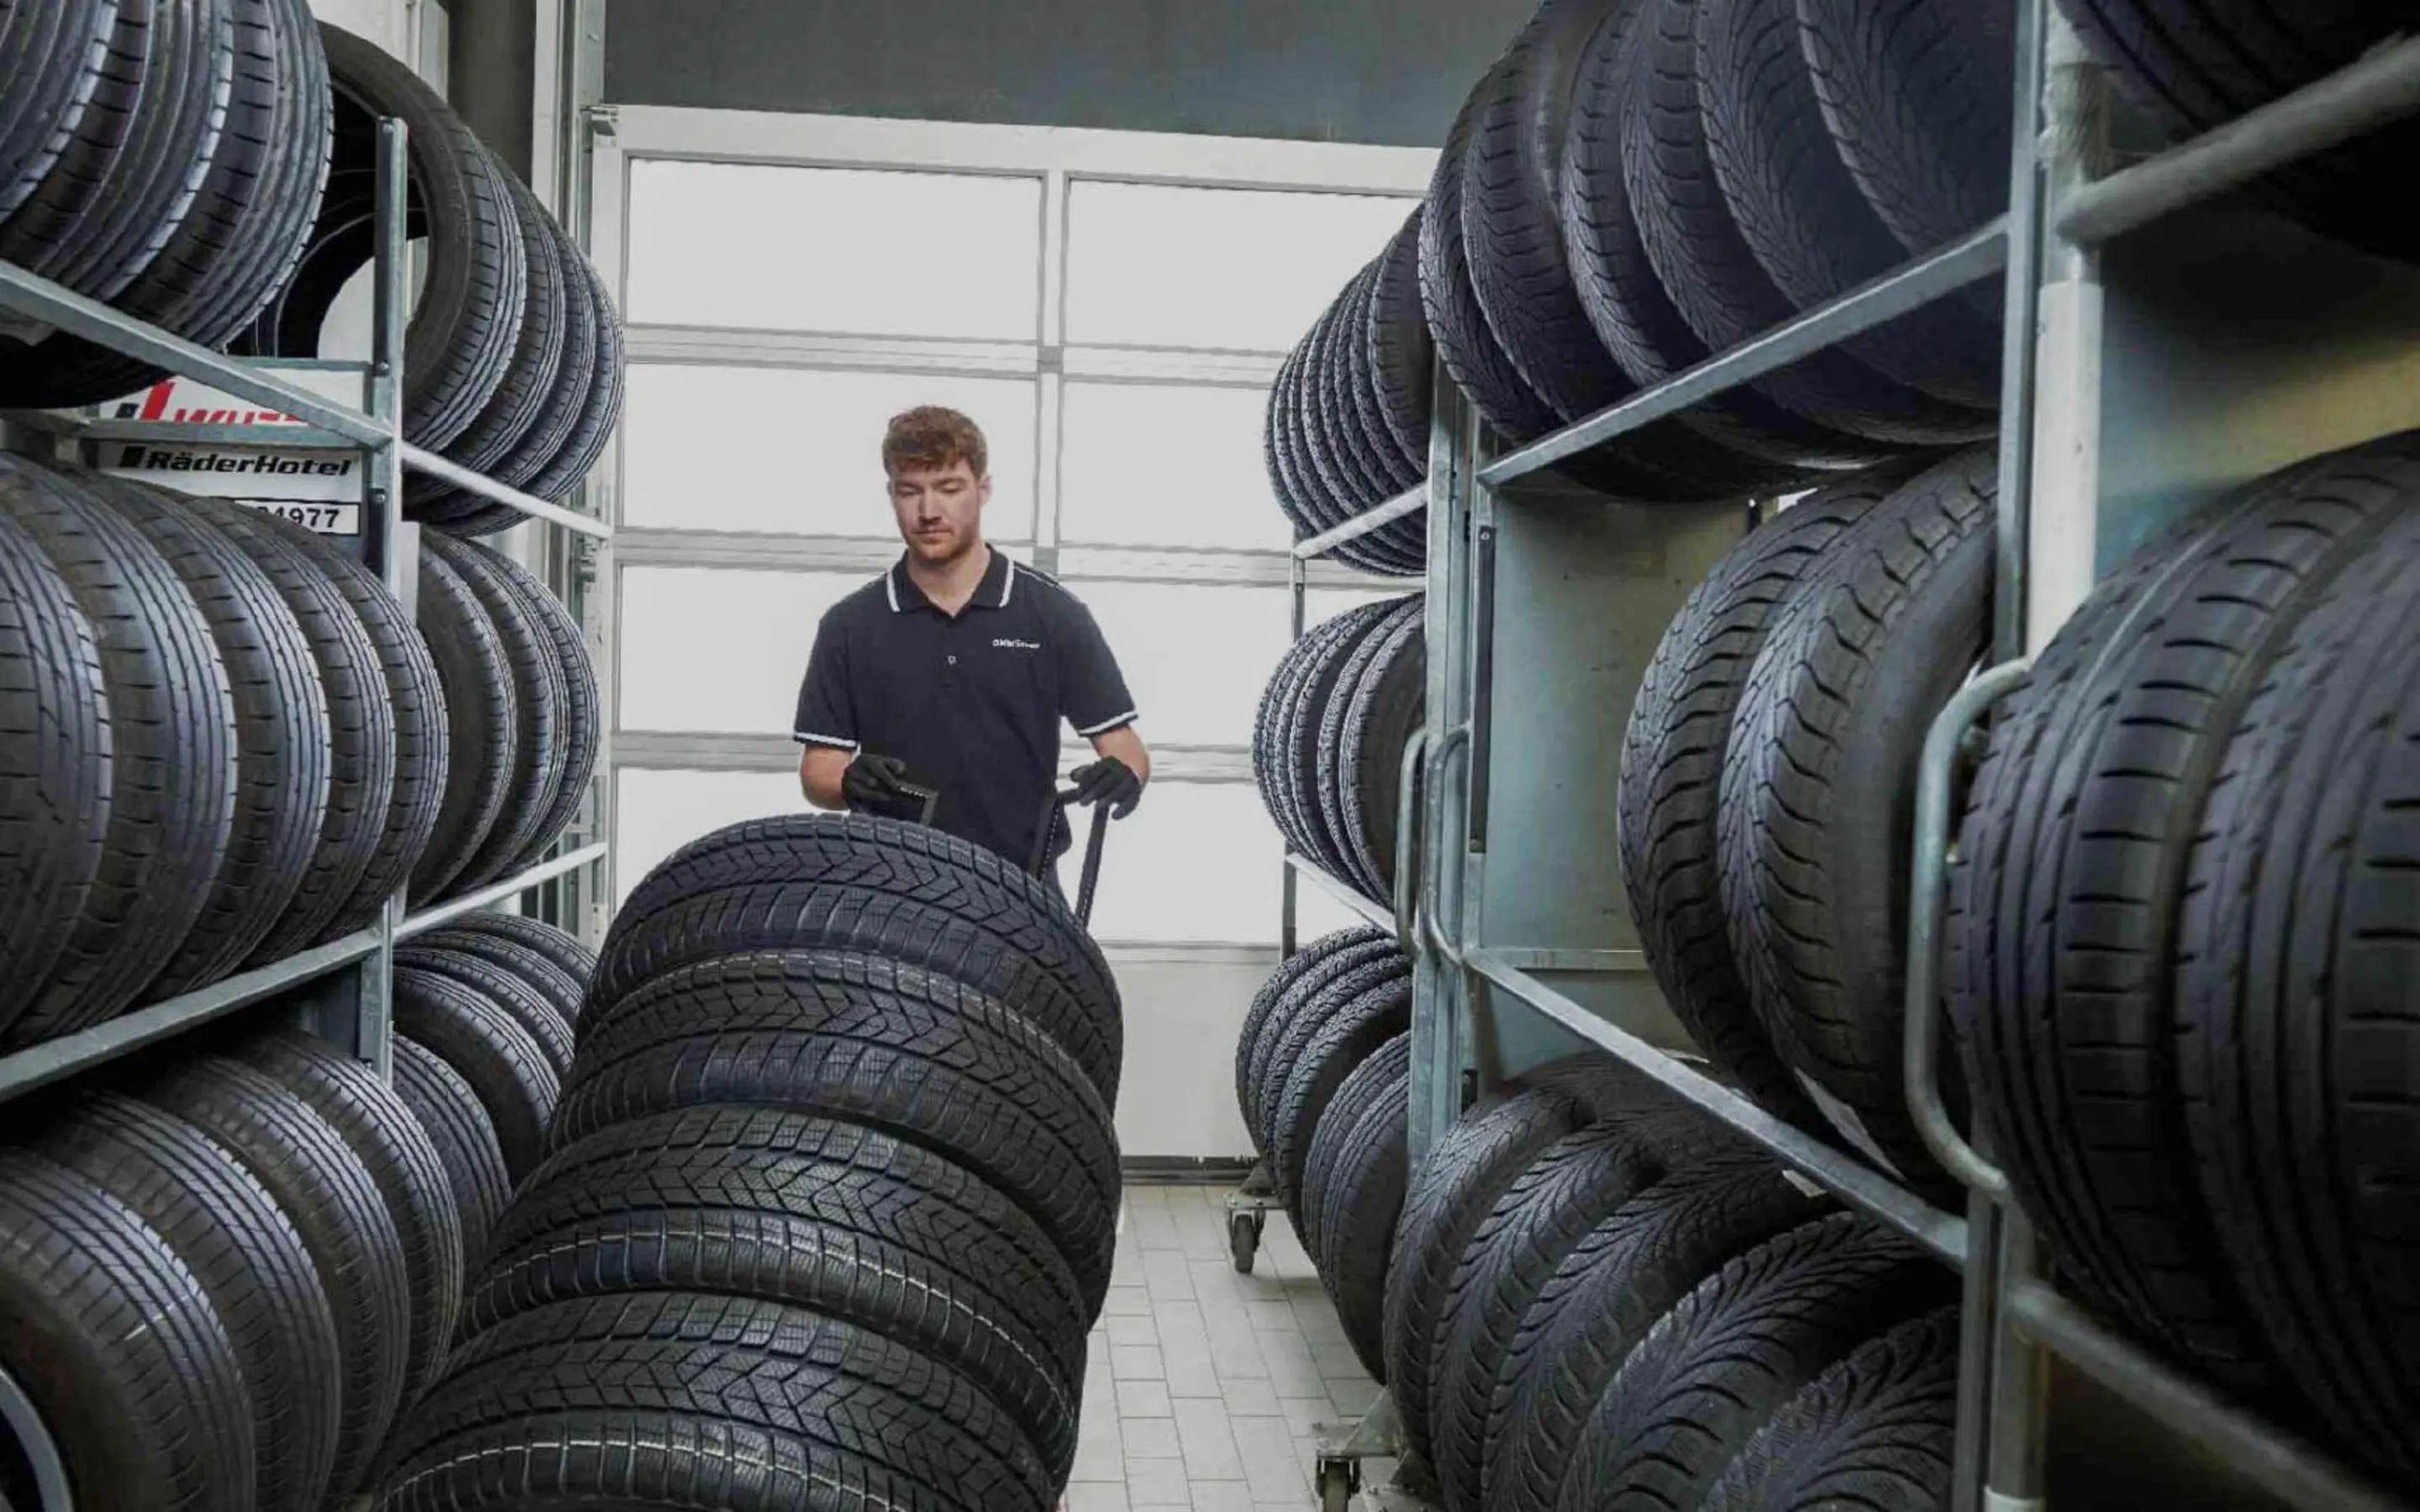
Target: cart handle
point(1054, 810)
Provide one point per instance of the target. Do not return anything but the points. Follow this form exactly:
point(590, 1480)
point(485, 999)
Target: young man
point(953, 671)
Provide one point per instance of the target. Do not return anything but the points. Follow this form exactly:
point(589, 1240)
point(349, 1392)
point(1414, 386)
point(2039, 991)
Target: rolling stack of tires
point(838, 1117)
point(2186, 937)
point(1329, 738)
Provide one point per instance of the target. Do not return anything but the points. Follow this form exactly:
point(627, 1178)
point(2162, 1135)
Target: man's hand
point(1108, 780)
point(873, 781)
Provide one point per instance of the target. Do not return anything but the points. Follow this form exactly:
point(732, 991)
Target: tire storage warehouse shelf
point(279, 735)
point(1996, 824)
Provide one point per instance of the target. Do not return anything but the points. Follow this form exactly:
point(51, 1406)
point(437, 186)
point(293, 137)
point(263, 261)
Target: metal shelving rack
point(345, 982)
point(2201, 331)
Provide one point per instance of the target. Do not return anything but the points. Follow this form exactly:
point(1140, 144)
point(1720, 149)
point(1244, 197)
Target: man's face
point(939, 510)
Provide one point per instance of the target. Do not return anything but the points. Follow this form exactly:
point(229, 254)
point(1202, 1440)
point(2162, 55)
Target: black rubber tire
point(171, 754)
point(1276, 446)
point(2072, 888)
point(1612, 1289)
point(1327, 1056)
point(852, 882)
point(1275, 997)
point(724, 1404)
point(1714, 1369)
point(1290, 1031)
point(1359, 478)
point(1318, 510)
point(838, 1219)
point(1380, 447)
point(541, 707)
point(1624, 297)
point(378, 1127)
point(67, 47)
point(116, 1344)
point(334, 1202)
point(1320, 686)
point(535, 968)
point(249, 1261)
point(487, 1048)
point(550, 429)
point(1329, 791)
point(1714, 280)
point(569, 467)
point(1817, 801)
point(2292, 957)
point(483, 723)
point(1567, 1191)
point(449, 1111)
point(282, 730)
point(1873, 1431)
point(1457, 322)
point(1401, 354)
point(2197, 64)
point(1352, 1193)
point(557, 944)
point(1467, 1171)
point(361, 720)
point(54, 785)
point(1254, 1052)
point(1387, 709)
point(859, 1037)
point(528, 1005)
point(1673, 753)
point(580, 731)
point(1799, 209)
point(54, 218)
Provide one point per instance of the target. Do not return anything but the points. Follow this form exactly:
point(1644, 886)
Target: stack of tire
point(224, 1268)
point(1323, 1077)
point(513, 364)
point(2187, 937)
point(1599, 1300)
point(523, 710)
point(223, 743)
point(1348, 419)
point(1767, 790)
point(1328, 742)
point(839, 1119)
point(168, 162)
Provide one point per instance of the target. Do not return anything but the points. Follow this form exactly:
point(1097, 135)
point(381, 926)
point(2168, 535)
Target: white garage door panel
point(1195, 659)
point(720, 650)
point(1197, 863)
point(1175, 1097)
point(656, 813)
point(799, 452)
point(1159, 465)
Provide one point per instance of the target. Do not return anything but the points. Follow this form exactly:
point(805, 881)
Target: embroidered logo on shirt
point(1008, 643)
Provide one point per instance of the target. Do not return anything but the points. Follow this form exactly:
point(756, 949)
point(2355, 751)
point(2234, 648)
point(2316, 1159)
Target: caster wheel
point(1338, 1480)
point(1243, 1240)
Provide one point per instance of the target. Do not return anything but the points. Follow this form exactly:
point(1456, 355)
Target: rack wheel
point(1244, 1237)
point(1339, 1478)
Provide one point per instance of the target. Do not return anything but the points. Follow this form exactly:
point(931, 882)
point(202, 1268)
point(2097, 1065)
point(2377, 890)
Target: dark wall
point(1387, 72)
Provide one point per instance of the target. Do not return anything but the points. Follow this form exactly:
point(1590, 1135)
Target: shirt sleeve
point(1092, 691)
point(827, 713)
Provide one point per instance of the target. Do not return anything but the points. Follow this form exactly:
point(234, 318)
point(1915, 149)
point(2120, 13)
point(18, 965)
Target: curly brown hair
point(930, 435)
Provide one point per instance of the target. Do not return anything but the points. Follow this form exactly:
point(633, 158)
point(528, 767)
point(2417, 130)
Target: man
point(953, 671)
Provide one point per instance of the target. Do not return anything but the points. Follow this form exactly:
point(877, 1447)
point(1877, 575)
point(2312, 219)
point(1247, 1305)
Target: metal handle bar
point(1441, 750)
point(1407, 842)
point(1053, 808)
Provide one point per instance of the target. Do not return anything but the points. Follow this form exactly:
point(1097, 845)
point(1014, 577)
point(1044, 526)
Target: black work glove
point(1108, 780)
point(873, 782)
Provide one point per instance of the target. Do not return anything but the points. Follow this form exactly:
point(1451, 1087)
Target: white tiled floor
point(1203, 1385)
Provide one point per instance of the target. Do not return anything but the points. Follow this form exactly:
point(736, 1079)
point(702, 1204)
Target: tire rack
point(2123, 289)
point(349, 980)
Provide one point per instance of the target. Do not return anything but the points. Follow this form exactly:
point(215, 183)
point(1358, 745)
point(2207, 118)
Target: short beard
point(967, 543)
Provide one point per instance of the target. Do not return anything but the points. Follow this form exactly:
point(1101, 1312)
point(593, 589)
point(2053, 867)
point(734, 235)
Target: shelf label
point(321, 520)
point(250, 472)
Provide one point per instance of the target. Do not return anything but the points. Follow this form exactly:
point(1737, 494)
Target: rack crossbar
point(1369, 521)
point(1343, 892)
point(495, 892)
point(1970, 258)
point(1850, 1180)
point(421, 459)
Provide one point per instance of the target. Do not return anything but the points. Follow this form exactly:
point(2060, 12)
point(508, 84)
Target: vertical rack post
point(384, 538)
point(1290, 900)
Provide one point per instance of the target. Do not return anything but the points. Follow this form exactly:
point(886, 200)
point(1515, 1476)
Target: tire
point(871, 1042)
point(283, 736)
point(1830, 726)
point(1571, 1188)
point(1673, 754)
point(67, 47)
point(1289, 1038)
point(557, 944)
point(837, 1219)
point(1309, 753)
point(55, 767)
point(378, 1127)
point(1706, 265)
point(1325, 727)
point(541, 707)
point(1714, 1369)
point(629, 1401)
point(2072, 888)
point(334, 1202)
point(483, 722)
point(1276, 446)
point(532, 968)
point(1874, 1430)
point(569, 467)
point(249, 1261)
point(1401, 354)
point(1388, 707)
point(171, 755)
point(115, 1342)
point(449, 1111)
point(361, 750)
point(1612, 1289)
point(1352, 1193)
point(529, 1005)
point(1329, 1054)
point(855, 883)
point(1361, 479)
point(1457, 322)
point(2289, 961)
point(1456, 1187)
point(1276, 995)
point(490, 1050)
point(1380, 449)
point(582, 724)
point(1798, 209)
